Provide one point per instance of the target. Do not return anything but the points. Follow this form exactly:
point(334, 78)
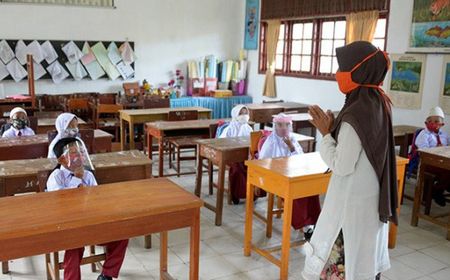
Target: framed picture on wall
point(406, 77)
point(430, 26)
point(444, 95)
point(251, 25)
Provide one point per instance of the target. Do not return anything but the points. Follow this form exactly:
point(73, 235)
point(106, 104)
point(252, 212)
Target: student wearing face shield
point(281, 143)
point(19, 124)
point(67, 126)
point(74, 171)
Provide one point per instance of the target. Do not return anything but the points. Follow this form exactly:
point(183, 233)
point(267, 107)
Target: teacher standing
point(358, 147)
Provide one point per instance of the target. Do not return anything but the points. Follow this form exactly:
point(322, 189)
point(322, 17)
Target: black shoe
point(308, 234)
point(440, 200)
point(235, 201)
point(104, 277)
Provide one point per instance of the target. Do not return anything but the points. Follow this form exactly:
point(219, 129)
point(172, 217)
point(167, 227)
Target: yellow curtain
point(361, 26)
point(273, 31)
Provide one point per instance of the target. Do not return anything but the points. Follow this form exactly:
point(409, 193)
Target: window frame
point(316, 45)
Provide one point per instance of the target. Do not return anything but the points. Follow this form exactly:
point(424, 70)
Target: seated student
point(71, 173)
point(281, 143)
point(67, 126)
point(238, 127)
point(239, 124)
point(434, 136)
point(19, 124)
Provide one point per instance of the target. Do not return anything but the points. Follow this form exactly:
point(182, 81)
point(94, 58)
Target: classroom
point(225, 140)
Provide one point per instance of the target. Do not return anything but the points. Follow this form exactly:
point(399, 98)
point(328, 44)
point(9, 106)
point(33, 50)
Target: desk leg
point(220, 191)
point(131, 127)
point(269, 219)
point(249, 205)
point(161, 157)
point(198, 180)
point(418, 195)
point(122, 135)
point(195, 247)
point(393, 227)
point(404, 147)
point(150, 146)
point(286, 241)
point(5, 267)
point(163, 254)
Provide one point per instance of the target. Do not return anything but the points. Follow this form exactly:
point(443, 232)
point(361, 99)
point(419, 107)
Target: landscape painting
point(406, 80)
point(430, 28)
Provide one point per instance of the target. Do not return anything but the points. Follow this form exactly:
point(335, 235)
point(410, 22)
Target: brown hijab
point(367, 111)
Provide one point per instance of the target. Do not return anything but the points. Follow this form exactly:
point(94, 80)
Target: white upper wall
point(327, 94)
point(167, 33)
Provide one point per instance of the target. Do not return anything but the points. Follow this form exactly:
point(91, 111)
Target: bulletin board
point(62, 58)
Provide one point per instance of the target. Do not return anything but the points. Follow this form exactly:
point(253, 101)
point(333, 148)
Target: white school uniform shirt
point(274, 147)
point(235, 128)
point(14, 132)
point(351, 204)
point(63, 178)
point(428, 139)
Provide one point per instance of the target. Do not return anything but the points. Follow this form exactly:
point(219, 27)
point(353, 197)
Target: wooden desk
point(141, 116)
point(75, 218)
point(48, 124)
point(6, 105)
point(20, 176)
point(226, 151)
point(163, 129)
point(36, 146)
point(431, 157)
point(403, 137)
point(290, 178)
point(262, 113)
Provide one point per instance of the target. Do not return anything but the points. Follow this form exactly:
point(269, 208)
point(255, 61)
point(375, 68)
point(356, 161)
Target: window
point(308, 48)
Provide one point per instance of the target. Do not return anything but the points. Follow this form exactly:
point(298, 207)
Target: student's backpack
point(221, 126)
point(413, 155)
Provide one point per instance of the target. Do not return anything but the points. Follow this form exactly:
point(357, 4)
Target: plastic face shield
point(77, 157)
point(283, 129)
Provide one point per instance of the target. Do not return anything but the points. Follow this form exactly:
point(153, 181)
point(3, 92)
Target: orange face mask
point(345, 81)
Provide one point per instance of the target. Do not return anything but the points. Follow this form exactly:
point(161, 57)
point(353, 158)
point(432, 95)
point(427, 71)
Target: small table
point(291, 178)
point(223, 152)
point(403, 136)
point(96, 215)
point(141, 116)
point(431, 157)
point(36, 146)
point(48, 124)
point(163, 129)
point(20, 176)
point(262, 113)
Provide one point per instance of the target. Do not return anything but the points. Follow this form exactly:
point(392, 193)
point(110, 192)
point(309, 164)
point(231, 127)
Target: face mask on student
point(71, 132)
point(242, 119)
point(19, 123)
point(433, 127)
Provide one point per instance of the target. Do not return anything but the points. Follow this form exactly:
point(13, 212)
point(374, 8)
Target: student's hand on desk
point(321, 120)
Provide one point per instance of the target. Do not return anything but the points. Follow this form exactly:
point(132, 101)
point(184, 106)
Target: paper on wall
point(90, 63)
point(126, 71)
point(76, 70)
point(3, 71)
point(16, 70)
point(127, 53)
point(57, 72)
point(101, 54)
point(72, 52)
point(49, 52)
point(114, 54)
point(6, 53)
point(21, 52)
point(39, 71)
point(35, 49)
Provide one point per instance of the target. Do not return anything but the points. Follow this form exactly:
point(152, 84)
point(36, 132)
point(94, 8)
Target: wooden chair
point(107, 118)
point(107, 98)
point(33, 123)
point(156, 102)
point(80, 107)
point(212, 134)
point(87, 135)
point(177, 144)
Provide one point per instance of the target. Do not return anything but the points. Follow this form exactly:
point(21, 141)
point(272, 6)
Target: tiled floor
point(422, 253)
